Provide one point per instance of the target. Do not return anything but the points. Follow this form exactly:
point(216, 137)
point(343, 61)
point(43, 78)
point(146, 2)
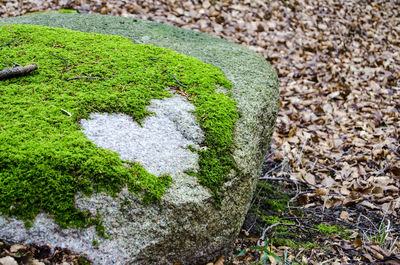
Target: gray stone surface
point(159, 143)
point(185, 227)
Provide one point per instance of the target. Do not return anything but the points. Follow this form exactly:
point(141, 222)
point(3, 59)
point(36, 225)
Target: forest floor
point(335, 153)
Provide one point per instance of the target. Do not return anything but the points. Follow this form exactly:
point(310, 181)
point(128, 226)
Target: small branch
point(84, 77)
point(269, 228)
point(176, 80)
point(65, 61)
point(276, 167)
point(8, 43)
point(299, 194)
point(66, 112)
point(17, 71)
point(288, 180)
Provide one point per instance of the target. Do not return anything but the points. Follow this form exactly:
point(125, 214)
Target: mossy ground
point(270, 206)
point(270, 209)
point(44, 157)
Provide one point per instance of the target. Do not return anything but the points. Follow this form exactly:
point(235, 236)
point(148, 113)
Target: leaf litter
point(336, 142)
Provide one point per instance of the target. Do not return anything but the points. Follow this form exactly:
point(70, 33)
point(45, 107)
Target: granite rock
point(186, 226)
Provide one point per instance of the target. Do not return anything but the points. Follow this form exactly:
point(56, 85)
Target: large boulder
point(192, 223)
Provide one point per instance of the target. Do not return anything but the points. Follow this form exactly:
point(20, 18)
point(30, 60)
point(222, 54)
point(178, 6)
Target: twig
point(176, 80)
point(8, 43)
point(288, 180)
point(276, 167)
point(17, 71)
point(326, 167)
point(299, 194)
point(66, 112)
point(84, 77)
point(269, 228)
point(65, 61)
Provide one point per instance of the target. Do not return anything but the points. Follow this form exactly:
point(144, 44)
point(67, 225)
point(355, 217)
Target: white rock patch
point(160, 144)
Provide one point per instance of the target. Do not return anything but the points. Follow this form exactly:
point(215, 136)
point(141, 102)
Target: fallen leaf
point(358, 242)
point(220, 261)
point(344, 215)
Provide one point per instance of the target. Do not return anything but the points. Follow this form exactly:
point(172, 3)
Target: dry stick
point(8, 43)
point(299, 194)
point(276, 167)
point(17, 71)
point(288, 180)
point(65, 61)
point(84, 77)
point(269, 228)
point(176, 80)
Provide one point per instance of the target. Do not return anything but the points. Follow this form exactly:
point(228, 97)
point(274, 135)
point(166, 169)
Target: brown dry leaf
point(303, 199)
point(369, 205)
point(332, 201)
point(344, 191)
point(309, 178)
point(220, 261)
point(368, 257)
point(358, 242)
point(344, 215)
point(272, 260)
point(252, 239)
point(379, 249)
point(321, 192)
point(328, 182)
point(17, 247)
point(374, 252)
point(395, 171)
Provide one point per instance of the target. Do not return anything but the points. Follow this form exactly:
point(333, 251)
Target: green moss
point(271, 200)
point(310, 245)
point(270, 205)
point(333, 229)
point(284, 242)
point(44, 157)
point(62, 11)
point(67, 11)
point(95, 242)
point(271, 220)
point(83, 261)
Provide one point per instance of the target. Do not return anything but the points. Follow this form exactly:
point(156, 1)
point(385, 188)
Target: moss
point(271, 220)
point(67, 11)
point(272, 201)
point(277, 242)
point(44, 157)
point(333, 229)
point(95, 242)
point(270, 206)
point(83, 261)
point(61, 11)
point(310, 245)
